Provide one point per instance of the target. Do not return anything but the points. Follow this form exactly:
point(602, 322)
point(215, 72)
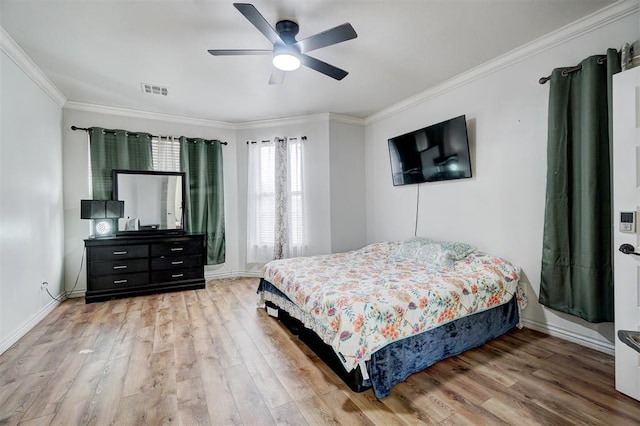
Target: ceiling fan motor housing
point(287, 31)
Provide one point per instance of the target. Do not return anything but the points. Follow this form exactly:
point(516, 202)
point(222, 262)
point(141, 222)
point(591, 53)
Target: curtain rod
point(303, 138)
point(134, 133)
point(565, 72)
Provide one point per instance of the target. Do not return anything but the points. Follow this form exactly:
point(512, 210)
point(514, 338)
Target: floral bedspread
point(362, 300)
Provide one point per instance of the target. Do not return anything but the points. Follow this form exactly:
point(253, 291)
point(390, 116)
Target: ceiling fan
point(288, 53)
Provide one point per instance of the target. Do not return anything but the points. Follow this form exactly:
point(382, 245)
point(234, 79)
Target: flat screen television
point(435, 153)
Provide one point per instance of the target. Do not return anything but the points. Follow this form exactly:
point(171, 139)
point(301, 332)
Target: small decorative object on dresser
point(136, 265)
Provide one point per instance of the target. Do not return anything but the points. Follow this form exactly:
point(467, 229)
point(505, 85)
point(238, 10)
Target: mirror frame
point(183, 230)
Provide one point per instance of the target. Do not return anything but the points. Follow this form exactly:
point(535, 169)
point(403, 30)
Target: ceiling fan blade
point(277, 76)
point(334, 35)
point(251, 13)
point(238, 52)
point(323, 67)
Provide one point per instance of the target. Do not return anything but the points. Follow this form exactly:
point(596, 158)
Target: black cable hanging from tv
point(415, 231)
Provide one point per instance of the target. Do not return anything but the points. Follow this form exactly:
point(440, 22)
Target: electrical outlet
point(44, 285)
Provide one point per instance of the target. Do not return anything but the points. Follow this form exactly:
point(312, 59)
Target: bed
point(380, 313)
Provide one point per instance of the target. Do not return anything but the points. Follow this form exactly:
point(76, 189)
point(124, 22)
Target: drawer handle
point(177, 275)
point(177, 249)
point(120, 281)
point(120, 267)
point(120, 252)
point(177, 262)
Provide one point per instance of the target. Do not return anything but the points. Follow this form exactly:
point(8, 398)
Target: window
point(275, 231)
point(265, 197)
point(165, 153)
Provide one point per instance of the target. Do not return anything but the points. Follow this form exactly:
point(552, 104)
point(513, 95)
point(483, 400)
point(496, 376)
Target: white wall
point(347, 186)
point(76, 180)
point(31, 226)
point(501, 209)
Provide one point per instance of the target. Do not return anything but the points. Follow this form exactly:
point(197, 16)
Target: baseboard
point(31, 322)
point(76, 293)
point(580, 339)
point(220, 275)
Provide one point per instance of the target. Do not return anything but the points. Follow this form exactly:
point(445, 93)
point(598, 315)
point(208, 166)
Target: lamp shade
point(101, 209)
point(114, 209)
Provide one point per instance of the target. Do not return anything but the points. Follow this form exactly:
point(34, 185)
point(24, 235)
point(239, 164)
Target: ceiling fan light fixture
point(286, 61)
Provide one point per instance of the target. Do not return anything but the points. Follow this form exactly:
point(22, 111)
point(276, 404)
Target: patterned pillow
point(428, 252)
point(421, 240)
point(405, 251)
point(424, 252)
point(433, 255)
point(458, 250)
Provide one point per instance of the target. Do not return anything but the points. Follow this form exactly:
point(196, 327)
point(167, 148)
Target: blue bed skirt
point(395, 362)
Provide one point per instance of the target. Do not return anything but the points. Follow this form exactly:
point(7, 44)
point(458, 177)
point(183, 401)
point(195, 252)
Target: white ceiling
point(100, 51)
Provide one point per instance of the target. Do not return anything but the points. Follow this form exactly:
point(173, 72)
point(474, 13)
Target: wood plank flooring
point(211, 357)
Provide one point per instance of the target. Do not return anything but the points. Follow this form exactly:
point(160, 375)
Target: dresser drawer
point(176, 262)
point(167, 275)
point(176, 248)
point(119, 252)
point(112, 282)
point(124, 266)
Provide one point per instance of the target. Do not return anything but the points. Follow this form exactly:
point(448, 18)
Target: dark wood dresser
point(137, 265)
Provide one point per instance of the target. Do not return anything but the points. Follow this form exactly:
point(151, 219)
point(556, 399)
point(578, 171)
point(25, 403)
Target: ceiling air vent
point(154, 89)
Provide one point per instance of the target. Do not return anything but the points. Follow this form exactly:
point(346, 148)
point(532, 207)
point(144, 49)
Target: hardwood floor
point(211, 357)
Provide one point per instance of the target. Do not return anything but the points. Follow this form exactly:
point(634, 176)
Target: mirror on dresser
point(153, 201)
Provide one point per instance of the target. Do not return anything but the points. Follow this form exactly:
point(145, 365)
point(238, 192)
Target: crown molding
point(589, 23)
point(258, 124)
point(134, 113)
point(283, 121)
point(347, 119)
point(302, 119)
point(26, 64)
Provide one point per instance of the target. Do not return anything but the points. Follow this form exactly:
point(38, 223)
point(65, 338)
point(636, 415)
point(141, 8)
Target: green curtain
point(577, 260)
point(116, 149)
point(201, 160)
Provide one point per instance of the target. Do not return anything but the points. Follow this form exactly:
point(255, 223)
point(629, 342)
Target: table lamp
point(104, 214)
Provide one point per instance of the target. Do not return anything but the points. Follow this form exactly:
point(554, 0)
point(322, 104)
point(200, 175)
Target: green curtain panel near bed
point(116, 149)
point(201, 160)
point(577, 261)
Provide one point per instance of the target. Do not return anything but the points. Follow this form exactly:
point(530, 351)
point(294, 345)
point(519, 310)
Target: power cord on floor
point(66, 294)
